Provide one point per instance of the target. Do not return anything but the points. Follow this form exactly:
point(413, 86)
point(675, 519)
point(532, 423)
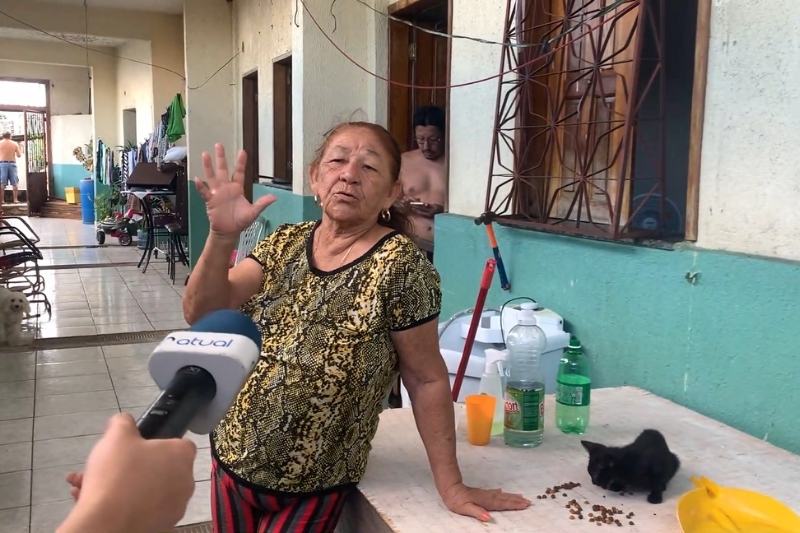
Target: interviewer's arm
point(131, 485)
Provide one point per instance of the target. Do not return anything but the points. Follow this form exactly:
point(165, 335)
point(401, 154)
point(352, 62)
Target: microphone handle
point(191, 389)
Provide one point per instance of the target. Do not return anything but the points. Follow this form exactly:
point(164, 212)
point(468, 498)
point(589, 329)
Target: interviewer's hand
point(131, 484)
point(229, 212)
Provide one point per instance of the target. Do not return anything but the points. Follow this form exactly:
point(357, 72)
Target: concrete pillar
point(208, 38)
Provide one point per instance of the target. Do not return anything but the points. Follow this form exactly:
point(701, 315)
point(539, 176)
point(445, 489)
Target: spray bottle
point(492, 383)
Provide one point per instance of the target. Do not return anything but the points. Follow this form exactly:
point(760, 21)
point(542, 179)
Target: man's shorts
point(8, 174)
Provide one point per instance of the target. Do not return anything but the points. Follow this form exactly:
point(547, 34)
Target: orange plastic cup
point(480, 412)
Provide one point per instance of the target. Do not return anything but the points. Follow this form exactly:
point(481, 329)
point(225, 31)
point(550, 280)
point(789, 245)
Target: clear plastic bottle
point(492, 384)
point(524, 398)
point(573, 390)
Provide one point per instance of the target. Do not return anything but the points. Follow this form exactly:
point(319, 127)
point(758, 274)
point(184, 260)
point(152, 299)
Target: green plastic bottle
point(573, 390)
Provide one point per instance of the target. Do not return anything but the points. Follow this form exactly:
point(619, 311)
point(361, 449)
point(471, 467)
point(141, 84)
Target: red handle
point(488, 272)
point(486, 281)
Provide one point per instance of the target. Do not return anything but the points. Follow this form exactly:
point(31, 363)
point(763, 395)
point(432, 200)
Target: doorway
point(417, 58)
point(24, 112)
point(282, 119)
point(250, 130)
point(129, 127)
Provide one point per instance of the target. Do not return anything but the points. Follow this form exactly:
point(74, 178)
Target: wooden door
point(416, 58)
point(282, 120)
point(250, 130)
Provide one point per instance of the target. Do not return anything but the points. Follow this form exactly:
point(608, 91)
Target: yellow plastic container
point(72, 194)
point(711, 508)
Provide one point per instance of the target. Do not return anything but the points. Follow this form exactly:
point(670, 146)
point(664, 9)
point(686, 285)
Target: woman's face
point(353, 179)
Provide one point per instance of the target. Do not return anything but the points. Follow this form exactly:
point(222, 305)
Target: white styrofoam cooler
point(453, 335)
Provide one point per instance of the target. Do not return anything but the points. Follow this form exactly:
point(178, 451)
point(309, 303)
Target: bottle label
point(574, 395)
point(524, 409)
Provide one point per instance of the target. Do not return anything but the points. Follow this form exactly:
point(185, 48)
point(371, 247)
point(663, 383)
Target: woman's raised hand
point(229, 212)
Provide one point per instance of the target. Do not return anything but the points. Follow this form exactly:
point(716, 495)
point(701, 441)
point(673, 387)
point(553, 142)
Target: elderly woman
point(343, 304)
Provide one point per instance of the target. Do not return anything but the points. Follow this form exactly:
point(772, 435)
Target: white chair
point(249, 238)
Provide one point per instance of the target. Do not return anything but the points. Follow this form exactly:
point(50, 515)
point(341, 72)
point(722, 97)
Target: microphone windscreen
point(229, 321)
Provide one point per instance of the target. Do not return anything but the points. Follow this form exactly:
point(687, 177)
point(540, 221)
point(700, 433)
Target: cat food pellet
point(553, 496)
point(572, 517)
point(586, 502)
point(564, 494)
point(631, 524)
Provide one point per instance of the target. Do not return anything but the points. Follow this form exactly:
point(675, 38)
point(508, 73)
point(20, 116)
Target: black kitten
point(645, 464)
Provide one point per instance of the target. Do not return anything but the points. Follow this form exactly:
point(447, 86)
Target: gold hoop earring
point(386, 215)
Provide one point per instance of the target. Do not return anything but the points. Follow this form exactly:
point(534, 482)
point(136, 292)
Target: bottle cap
point(574, 343)
point(526, 317)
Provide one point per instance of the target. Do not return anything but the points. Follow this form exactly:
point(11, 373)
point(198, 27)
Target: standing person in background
point(9, 152)
point(423, 174)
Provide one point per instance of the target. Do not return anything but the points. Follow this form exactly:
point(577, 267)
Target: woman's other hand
point(229, 212)
point(477, 503)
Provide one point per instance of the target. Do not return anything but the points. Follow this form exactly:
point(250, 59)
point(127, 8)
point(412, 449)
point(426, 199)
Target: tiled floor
point(54, 404)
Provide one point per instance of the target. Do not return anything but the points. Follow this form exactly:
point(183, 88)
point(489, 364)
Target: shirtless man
point(423, 173)
point(9, 152)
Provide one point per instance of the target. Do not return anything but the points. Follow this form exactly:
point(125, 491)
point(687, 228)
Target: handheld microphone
point(200, 372)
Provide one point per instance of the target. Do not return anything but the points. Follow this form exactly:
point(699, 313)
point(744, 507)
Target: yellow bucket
point(713, 509)
point(72, 194)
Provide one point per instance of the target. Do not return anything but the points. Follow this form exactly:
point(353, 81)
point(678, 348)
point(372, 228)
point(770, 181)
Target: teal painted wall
point(198, 225)
point(66, 175)
point(288, 209)
point(726, 346)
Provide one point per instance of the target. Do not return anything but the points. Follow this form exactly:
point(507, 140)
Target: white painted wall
point(103, 69)
point(69, 85)
point(331, 89)
point(750, 177)
point(135, 88)
point(210, 109)
point(66, 133)
point(326, 88)
point(163, 31)
point(262, 35)
point(472, 108)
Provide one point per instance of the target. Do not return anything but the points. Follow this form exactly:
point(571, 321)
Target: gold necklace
point(317, 244)
point(346, 254)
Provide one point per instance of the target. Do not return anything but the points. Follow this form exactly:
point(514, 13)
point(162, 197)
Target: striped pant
point(237, 508)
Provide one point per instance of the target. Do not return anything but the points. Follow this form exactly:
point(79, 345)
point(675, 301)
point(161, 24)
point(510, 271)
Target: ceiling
point(162, 6)
point(94, 40)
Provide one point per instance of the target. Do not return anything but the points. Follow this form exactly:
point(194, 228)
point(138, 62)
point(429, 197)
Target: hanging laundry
point(175, 129)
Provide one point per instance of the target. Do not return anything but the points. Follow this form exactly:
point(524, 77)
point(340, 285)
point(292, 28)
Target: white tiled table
point(397, 492)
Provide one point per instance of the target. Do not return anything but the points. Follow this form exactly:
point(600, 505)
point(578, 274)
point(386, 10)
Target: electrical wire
point(455, 85)
point(503, 307)
point(600, 12)
point(234, 56)
point(88, 48)
point(103, 52)
point(333, 16)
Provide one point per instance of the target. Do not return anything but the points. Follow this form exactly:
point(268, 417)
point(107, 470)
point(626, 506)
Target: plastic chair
point(249, 238)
